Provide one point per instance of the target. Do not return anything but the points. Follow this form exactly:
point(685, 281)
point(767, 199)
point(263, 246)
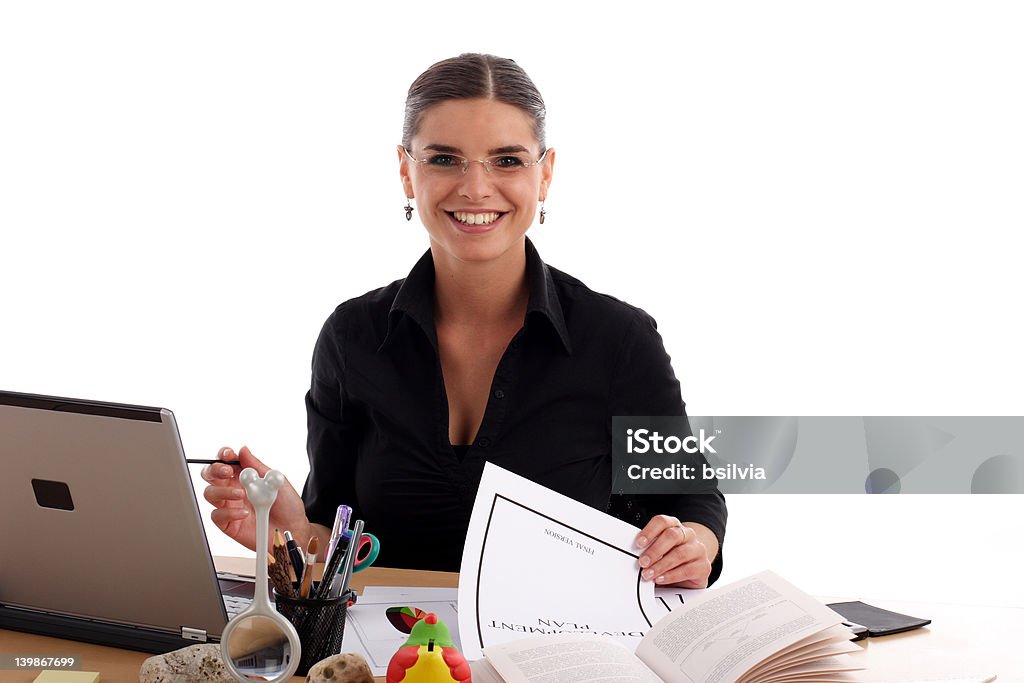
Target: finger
point(677, 557)
point(222, 517)
point(691, 575)
point(247, 459)
point(221, 495)
point(216, 473)
point(666, 541)
point(654, 527)
point(221, 475)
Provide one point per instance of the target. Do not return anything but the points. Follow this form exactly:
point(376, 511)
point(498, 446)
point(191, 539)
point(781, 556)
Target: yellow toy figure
point(429, 656)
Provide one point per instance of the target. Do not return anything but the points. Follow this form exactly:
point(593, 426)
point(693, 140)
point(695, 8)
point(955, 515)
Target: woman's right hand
point(233, 513)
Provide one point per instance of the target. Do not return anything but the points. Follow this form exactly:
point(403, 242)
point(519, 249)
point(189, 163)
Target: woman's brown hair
point(468, 76)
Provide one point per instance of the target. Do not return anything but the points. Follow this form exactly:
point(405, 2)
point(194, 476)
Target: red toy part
point(402, 660)
point(457, 664)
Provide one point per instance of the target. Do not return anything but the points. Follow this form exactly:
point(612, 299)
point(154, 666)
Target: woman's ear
point(403, 172)
point(547, 170)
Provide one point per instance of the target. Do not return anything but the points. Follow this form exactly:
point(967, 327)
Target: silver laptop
point(103, 540)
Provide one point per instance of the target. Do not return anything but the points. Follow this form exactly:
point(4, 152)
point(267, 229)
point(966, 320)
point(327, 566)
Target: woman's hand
point(676, 554)
point(234, 515)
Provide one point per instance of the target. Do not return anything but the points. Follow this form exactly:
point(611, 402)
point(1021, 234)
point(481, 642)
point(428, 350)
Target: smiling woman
point(483, 353)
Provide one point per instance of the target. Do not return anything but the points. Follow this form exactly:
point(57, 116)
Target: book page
point(726, 632)
point(810, 655)
point(566, 658)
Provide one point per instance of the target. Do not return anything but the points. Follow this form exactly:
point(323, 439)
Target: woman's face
point(458, 209)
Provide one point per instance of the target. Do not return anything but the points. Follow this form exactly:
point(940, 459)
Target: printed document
point(539, 562)
point(380, 621)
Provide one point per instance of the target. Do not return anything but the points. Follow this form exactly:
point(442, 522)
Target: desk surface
point(962, 641)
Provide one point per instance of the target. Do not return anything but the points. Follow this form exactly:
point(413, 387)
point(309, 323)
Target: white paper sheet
point(672, 598)
point(536, 561)
point(369, 632)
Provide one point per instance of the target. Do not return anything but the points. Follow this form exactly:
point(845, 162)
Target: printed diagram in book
point(748, 631)
point(739, 634)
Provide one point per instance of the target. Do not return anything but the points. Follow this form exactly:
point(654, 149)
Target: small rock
point(343, 668)
point(192, 664)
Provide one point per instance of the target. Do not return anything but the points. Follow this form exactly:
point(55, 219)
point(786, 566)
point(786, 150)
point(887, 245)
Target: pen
point(191, 461)
point(346, 547)
point(353, 548)
point(341, 517)
point(331, 570)
point(295, 553)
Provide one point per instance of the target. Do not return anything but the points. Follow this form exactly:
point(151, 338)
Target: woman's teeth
point(475, 218)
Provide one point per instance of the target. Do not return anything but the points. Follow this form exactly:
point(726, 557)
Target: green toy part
point(430, 628)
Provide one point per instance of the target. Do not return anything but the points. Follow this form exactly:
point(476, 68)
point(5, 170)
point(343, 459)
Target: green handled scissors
point(366, 541)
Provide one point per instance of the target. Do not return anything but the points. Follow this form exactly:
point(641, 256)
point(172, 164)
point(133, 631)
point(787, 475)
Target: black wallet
point(877, 621)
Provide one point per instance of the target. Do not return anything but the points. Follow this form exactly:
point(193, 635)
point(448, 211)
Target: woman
point(483, 353)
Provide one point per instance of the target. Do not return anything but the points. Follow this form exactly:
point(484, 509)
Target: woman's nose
point(476, 181)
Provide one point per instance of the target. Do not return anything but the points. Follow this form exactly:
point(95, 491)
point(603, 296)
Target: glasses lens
point(443, 163)
point(509, 163)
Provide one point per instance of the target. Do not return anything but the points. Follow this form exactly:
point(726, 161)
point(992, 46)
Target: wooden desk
point(962, 640)
point(119, 665)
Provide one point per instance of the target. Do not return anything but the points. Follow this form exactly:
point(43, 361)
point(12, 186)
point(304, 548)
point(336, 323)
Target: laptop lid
point(100, 523)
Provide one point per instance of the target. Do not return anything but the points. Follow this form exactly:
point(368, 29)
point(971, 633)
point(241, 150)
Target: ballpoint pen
point(295, 553)
point(341, 517)
point(350, 556)
point(331, 570)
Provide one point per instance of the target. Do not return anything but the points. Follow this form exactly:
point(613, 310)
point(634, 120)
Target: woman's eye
point(508, 162)
point(442, 160)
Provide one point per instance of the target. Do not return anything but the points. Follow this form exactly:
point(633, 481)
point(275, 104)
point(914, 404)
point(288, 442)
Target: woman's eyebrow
point(444, 148)
point(507, 149)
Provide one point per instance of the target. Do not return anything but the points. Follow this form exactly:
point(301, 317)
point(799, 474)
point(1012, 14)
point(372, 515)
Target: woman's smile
point(476, 222)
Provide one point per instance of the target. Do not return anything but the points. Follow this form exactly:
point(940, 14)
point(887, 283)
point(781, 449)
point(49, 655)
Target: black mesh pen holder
point(319, 623)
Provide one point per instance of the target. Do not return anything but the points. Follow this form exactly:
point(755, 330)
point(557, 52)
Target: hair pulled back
point(469, 76)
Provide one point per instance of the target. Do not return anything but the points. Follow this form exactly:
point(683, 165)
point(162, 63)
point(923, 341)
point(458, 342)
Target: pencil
point(279, 577)
point(281, 555)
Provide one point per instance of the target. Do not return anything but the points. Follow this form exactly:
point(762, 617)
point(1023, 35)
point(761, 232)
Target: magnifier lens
point(259, 649)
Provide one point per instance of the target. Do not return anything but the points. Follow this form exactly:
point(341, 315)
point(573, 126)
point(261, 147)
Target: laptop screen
point(99, 517)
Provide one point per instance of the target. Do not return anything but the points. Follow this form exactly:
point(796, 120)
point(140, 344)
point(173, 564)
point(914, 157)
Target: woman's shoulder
point(364, 315)
point(373, 303)
point(585, 306)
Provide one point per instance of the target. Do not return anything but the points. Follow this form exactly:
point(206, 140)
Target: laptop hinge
point(196, 634)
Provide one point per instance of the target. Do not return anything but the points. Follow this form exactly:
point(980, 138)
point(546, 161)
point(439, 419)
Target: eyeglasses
point(447, 164)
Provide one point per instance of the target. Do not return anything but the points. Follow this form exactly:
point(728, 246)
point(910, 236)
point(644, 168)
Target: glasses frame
point(487, 163)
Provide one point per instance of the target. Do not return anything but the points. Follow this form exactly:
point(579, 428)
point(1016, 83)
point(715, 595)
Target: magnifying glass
point(260, 644)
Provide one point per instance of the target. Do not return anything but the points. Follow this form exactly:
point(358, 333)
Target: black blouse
point(377, 413)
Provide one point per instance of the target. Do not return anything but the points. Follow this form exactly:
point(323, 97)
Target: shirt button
point(499, 394)
point(484, 442)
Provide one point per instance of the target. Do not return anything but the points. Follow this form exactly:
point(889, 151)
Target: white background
point(819, 202)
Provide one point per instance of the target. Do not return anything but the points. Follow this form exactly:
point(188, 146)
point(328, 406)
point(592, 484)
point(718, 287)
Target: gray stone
point(192, 664)
point(343, 668)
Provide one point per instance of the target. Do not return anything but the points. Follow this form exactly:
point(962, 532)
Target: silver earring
point(542, 212)
point(408, 209)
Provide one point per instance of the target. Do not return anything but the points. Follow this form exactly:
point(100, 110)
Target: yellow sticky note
point(68, 677)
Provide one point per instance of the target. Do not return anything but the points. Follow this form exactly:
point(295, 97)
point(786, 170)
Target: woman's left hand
point(676, 554)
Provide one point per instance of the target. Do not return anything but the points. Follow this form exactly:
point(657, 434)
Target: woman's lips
point(475, 229)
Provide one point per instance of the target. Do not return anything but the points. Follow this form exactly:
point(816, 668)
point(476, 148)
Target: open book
point(761, 629)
